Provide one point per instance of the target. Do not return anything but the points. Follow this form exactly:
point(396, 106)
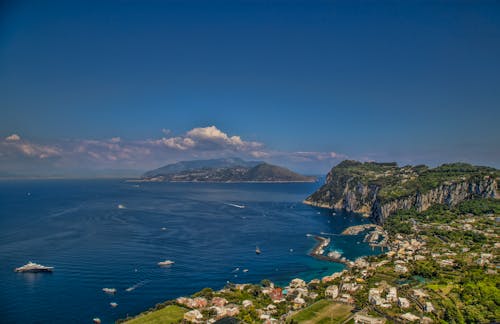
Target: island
point(223, 170)
point(440, 266)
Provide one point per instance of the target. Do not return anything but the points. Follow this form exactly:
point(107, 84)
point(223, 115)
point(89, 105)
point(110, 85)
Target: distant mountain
point(224, 170)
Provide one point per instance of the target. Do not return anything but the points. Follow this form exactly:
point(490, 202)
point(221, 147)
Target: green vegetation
point(166, 315)
point(466, 291)
point(387, 182)
point(323, 311)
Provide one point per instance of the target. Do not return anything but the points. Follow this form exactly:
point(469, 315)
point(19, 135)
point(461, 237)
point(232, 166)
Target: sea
point(112, 234)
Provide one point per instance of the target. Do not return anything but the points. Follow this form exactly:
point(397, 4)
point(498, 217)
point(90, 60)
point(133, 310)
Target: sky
point(101, 88)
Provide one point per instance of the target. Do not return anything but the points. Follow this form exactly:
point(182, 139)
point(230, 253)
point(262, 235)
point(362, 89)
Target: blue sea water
point(77, 227)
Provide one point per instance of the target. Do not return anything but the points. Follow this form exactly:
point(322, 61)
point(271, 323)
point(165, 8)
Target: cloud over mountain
point(117, 153)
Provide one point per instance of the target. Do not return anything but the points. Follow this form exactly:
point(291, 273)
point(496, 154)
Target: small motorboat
point(113, 304)
point(110, 291)
point(257, 250)
point(165, 263)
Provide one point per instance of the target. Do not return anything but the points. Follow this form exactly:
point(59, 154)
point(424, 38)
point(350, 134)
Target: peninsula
point(224, 170)
point(378, 190)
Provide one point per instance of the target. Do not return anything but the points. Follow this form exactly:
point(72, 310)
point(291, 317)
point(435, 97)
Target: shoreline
point(317, 252)
point(187, 181)
point(315, 204)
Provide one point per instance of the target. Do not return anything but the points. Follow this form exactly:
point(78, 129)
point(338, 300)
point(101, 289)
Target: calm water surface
point(77, 227)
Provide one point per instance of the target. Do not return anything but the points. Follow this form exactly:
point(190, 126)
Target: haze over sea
point(77, 227)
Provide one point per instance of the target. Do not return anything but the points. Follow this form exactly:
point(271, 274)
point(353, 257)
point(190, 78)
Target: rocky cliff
point(378, 190)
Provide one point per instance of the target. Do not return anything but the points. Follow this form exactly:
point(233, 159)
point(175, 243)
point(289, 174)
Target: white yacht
point(165, 263)
point(34, 267)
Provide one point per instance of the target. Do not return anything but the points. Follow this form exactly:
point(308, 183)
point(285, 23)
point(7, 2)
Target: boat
point(113, 304)
point(34, 267)
point(257, 250)
point(120, 206)
point(165, 263)
point(109, 290)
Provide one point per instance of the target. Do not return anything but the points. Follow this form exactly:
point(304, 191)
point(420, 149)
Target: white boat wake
point(234, 205)
point(137, 285)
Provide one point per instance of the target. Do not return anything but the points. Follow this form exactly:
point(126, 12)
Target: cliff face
point(378, 190)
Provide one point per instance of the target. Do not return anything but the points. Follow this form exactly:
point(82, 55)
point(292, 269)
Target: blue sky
point(90, 85)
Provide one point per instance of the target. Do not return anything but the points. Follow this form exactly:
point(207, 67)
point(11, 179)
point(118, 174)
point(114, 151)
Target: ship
point(34, 267)
point(165, 263)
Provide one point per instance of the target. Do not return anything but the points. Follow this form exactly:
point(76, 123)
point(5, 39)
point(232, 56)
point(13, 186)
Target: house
point(298, 303)
point(332, 291)
point(419, 293)
point(374, 296)
point(198, 302)
point(297, 283)
point(350, 287)
point(346, 298)
point(276, 295)
point(392, 295)
point(446, 263)
point(410, 317)
point(247, 303)
point(219, 301)
point(220, 311)
point(403, 302)
point(193, 316)
point(400, 268)
point(232, 311)
point(429, 308)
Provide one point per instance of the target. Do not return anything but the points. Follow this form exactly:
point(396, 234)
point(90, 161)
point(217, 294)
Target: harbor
point(318, 252)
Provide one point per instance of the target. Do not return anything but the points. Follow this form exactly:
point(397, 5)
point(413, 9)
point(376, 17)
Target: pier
point(318, 252)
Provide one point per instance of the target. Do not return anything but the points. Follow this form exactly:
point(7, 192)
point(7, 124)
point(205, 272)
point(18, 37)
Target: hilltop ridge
point(224, 170)
point(381, 189)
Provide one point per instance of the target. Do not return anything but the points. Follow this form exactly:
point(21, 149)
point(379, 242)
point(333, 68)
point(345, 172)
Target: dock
point(318, 251)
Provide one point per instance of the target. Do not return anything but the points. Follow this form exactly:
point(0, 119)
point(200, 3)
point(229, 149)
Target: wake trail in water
point(235, 205)
point(137, 285)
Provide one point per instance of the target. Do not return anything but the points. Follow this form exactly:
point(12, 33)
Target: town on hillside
point(440, 267)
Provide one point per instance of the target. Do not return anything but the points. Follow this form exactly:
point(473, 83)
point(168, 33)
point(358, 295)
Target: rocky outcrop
point(379, 190)
point(450, 194)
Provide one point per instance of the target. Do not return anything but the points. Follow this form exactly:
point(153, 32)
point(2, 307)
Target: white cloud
point(177, 143)
point(259, 154)
point(206, 139)
point(197, 143)
point(13, 138)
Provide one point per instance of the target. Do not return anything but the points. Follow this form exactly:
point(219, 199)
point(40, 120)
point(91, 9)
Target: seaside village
point(388, 287)
point(341, 288)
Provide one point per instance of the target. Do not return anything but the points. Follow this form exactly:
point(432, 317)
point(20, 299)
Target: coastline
point(317, 252)
point(186, 181)
point(316, 204)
